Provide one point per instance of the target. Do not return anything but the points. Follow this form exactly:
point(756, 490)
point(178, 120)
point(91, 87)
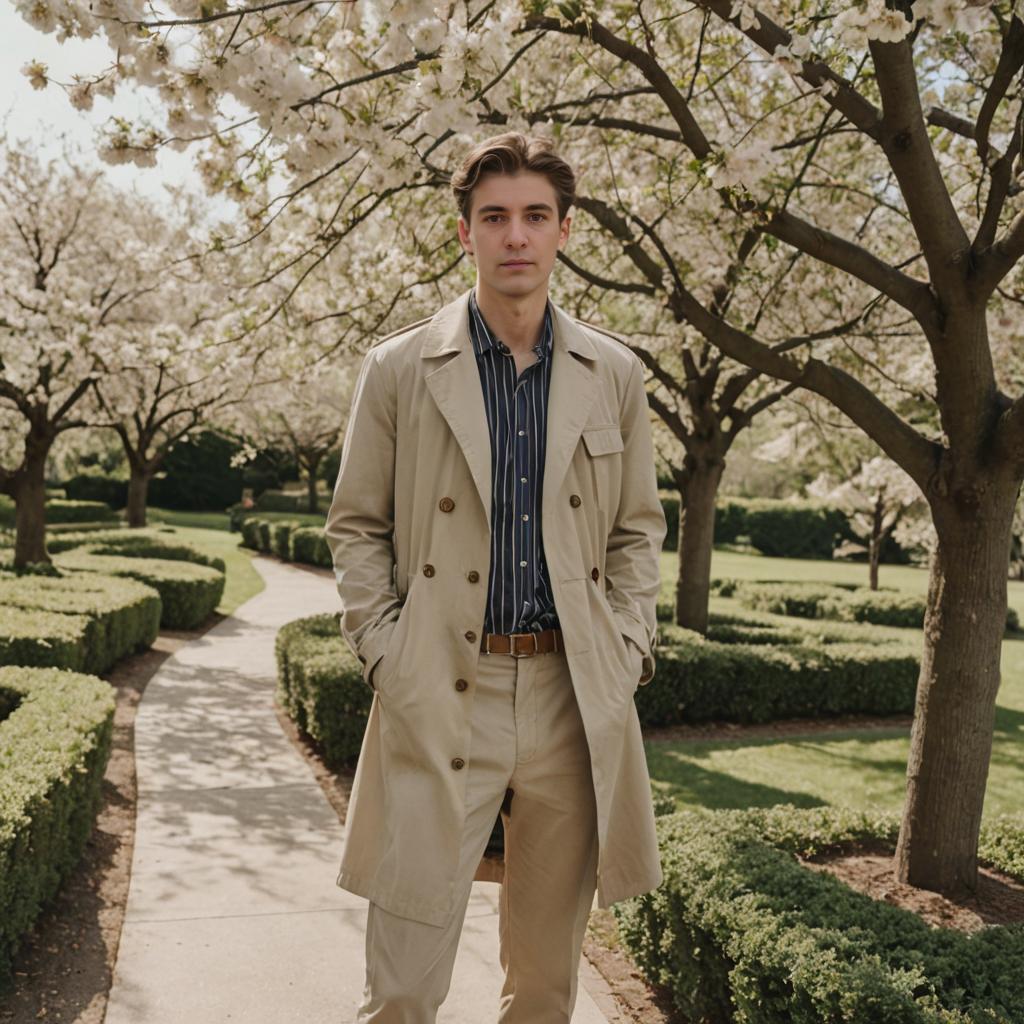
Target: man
point(495, 531)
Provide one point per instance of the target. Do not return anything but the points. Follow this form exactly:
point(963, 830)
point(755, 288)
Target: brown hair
point(511, 153)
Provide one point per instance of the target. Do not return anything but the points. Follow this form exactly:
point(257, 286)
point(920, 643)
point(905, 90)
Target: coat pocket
point(603, 440)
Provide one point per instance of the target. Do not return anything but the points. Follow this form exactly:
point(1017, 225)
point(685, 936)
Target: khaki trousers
point(527, 735)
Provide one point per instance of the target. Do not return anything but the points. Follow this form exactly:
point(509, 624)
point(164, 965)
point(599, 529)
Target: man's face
point(514, 233)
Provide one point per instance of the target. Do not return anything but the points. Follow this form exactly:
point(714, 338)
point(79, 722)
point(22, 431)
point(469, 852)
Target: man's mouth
point(516, 263)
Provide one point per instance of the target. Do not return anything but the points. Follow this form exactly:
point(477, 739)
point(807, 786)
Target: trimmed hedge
point(135, 543)
point(112, 491)
point(762, 668)
point(812, 673)
point(741, 931)
point(843, 602)
point(121, 615)
point(61, 511)
point(189, 593)
point(54, 748)
point(43, 638)
point(308, 545)
point(320, 686)
point(286, 538)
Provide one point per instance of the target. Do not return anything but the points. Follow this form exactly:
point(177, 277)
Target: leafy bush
point(307, 544)
point(197, 474)
point(793, 529)
point(61, 511)
point(765, 668)
point(43, 638)
point(121, 616)
point(285, 501)
point(189, 593)
point(250, 527)
point(320, 686)
point(741, 931)
point(135, 543)
point(54, 748)
point(280, 531)
point(111, 490)
point(843, 602)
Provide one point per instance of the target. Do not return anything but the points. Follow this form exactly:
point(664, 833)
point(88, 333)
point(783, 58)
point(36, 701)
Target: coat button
point(461, 684)
point(458, 763)
point(446, 504)
point(594, 573)
point(575, 500)
point(470, 635)
point(428, 570)
point(472, 575)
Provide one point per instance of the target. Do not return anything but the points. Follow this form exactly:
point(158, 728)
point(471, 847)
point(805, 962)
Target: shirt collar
point(484, 338)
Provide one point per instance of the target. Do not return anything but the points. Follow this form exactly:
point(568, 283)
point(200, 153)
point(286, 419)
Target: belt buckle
point(525, 654)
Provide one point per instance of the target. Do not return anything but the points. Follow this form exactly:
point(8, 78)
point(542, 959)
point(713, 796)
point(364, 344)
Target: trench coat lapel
point(455, 387)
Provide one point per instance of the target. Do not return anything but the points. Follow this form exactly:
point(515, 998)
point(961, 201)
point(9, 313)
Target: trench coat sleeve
point(635, 539)
point(360, 522)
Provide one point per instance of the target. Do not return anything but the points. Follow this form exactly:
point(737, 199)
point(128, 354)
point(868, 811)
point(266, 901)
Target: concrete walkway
point(233, 913)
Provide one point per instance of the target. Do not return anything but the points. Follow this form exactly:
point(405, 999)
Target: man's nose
point(516, 237)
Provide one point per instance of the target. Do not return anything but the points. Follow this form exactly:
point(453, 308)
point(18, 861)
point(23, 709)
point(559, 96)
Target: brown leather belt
point(522, 645)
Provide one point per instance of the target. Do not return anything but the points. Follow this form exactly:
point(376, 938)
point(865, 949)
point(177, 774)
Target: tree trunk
point(874, 553)
point(312, 465)
point(30, 508)
point(951, 741)
point(696, 540)
point(138, 488)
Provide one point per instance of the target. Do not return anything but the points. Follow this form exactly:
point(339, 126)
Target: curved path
point(233, 913)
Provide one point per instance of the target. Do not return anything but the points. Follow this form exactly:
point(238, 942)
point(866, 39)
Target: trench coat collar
point(455, 387)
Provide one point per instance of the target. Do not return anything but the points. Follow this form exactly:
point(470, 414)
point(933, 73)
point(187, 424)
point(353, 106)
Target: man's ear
point(563, 230)
point(464, 235)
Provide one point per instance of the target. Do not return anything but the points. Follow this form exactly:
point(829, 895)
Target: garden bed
point(742, 930)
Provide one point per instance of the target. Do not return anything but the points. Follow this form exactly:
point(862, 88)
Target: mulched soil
point(999, 899)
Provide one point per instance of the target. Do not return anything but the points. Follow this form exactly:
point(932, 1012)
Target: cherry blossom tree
point(907, 119)
point(75, 286)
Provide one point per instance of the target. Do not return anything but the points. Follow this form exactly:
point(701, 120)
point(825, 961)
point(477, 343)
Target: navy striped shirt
point(519, 596)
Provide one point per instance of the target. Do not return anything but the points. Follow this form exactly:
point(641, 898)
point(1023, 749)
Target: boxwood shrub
point(280, 532)
point(54, 747)
point(123, 615)
point(189, 593)
point(308, 545)
point(760, 668)
point(741, 931)
point(320, 686)
point(61, 511)
point(839, 601)
point(41, 638)
point(135, 543)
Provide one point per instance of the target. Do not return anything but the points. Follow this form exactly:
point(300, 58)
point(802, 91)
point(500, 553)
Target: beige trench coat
point(409, 529)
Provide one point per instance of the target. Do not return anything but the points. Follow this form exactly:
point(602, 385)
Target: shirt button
point(525, 517)
point(522, 479)
point(594, 573)
point(428, 570)
point(461, 684)
point(523, 565)
point(446, 504)
point(522, 432)
point(470, 635)
point(458, 763)
point(472, 575)
point(575, 500)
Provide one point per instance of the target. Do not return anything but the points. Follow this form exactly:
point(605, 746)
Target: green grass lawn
point(209, 532)
point(860, 768)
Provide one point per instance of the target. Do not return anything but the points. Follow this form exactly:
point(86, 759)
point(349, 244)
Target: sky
point(40, 116)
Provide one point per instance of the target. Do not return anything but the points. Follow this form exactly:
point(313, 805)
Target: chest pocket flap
point(603, 440)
